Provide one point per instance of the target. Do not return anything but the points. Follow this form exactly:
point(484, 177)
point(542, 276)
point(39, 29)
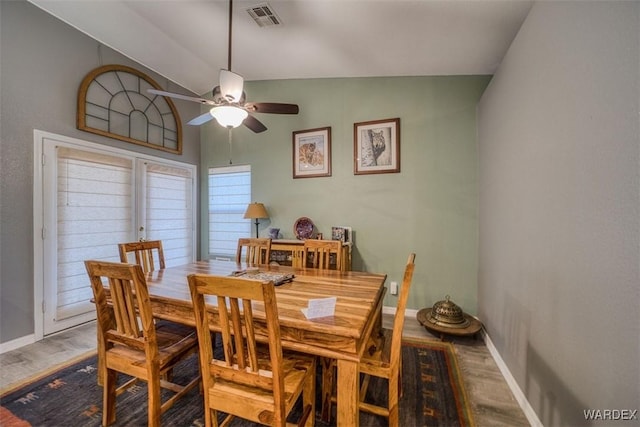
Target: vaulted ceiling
point(186, 40)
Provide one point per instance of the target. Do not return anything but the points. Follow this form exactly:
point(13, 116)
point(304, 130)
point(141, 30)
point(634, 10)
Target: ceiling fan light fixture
point(230, 109)
point(229, 116)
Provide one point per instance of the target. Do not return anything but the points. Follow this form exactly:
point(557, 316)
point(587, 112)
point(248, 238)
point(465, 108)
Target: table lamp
point(256, 211)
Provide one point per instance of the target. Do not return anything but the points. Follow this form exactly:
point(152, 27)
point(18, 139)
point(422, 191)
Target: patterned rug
point(433, 395)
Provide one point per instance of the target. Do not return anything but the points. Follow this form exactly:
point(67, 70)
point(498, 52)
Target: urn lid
point(447, 314)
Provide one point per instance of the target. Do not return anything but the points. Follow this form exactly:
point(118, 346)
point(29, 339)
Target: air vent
point(264, 15)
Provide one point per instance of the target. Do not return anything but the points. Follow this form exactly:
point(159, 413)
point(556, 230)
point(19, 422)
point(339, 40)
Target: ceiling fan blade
point(183, 97)
point(231, 85)
point(203, 118)
point(254, 124)
point(272, 107)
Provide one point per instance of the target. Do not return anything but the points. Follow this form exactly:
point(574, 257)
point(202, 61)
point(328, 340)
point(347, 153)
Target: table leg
point(348, 413)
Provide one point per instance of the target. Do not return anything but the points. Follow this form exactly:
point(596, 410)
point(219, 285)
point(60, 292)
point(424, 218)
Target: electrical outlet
point(394, 288)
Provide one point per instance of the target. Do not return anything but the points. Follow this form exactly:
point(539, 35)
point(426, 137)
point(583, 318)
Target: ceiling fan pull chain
point(230, 162)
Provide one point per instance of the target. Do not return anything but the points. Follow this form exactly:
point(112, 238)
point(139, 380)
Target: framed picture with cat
point(376, 147)
point(312, 153)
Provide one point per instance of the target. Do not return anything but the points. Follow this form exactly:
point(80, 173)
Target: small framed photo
point(376, 147)
point(312, 153)
point(341, 233)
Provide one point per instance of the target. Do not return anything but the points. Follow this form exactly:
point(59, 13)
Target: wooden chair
point(257, 251)
point(143, 254)
point(317, 254)
point(148, 254)
point(384, 362)
point(253, 381)
point(129, 341)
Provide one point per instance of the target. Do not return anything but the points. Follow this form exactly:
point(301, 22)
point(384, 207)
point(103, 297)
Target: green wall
point(430, 207)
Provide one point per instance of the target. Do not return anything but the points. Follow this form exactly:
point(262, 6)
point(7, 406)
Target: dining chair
point(149, 255)
point(250, 380)
point(318, 254)
point(256, 251)
point(145, 253)
point(130, 342)
point(385, 362)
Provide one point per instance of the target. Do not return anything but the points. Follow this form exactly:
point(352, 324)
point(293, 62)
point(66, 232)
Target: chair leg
point(328, 375)
point(109, 379)
point(364, 386)
point(210, 418)
point(393, 401)
point(155, 405)
point(400, 377)
point(309, 397)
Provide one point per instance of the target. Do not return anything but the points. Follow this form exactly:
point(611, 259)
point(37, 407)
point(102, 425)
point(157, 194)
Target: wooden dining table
point(342, 336)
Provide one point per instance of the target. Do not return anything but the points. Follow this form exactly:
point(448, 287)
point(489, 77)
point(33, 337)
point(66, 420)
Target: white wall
point(559, 251)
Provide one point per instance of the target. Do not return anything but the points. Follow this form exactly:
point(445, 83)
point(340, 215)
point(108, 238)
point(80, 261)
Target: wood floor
point(492, 402)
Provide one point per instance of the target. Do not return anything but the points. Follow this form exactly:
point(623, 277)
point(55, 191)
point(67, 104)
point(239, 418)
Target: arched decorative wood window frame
point(113, 101)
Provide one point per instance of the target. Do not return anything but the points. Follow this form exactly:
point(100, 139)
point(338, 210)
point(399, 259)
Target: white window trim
point(38, 208)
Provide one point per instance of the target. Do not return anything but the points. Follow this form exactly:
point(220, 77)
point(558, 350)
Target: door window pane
point(94, 214)
point(169, 211)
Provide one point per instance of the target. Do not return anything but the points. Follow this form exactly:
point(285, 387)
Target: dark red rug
point(433, 395)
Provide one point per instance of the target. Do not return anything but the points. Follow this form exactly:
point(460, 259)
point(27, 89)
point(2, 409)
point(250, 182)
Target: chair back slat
point(256, 251)
point(318, 254)
point(235, 327)
point(124, 307)
point(147, 254)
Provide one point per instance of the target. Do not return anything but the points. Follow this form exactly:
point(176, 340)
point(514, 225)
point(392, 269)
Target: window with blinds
point(169, 211)
point(95, 211)
point(229, 195)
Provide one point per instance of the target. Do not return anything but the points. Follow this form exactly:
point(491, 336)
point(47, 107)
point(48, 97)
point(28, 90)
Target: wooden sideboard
point(289, 252)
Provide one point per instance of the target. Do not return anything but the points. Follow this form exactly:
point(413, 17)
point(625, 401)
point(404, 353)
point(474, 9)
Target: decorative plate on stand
point(303, 228)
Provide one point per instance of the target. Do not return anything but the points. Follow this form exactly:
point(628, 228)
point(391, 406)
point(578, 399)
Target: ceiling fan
point(229, 106)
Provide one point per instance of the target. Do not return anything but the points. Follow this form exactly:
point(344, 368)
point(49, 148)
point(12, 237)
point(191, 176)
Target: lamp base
point(257, 228)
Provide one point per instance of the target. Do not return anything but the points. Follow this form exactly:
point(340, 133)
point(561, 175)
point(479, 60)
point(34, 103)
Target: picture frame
point(312, 153)
point(342, 233)
point(376, 147)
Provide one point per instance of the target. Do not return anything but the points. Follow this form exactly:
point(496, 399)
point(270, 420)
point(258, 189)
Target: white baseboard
point(409, 312)
point(17, 343)
point(532, 417)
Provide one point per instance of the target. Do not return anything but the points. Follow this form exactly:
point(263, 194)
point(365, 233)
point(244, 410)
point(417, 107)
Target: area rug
point(433, 395)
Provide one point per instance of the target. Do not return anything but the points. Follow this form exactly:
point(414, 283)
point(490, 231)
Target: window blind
point(169, 211)
point(94, 215)
point(229, 195)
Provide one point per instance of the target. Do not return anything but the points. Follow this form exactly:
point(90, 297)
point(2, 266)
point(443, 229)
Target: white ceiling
point(186, 40)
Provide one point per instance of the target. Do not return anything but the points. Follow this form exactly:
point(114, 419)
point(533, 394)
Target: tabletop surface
point(359, 295)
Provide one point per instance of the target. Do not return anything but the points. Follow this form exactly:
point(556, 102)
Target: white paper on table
point(320, 307)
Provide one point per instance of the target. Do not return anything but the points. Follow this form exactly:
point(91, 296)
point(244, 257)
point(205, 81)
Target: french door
point(94, 197)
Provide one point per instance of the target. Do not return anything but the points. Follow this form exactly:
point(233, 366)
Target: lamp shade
point(255, 211)
point(229, 116)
